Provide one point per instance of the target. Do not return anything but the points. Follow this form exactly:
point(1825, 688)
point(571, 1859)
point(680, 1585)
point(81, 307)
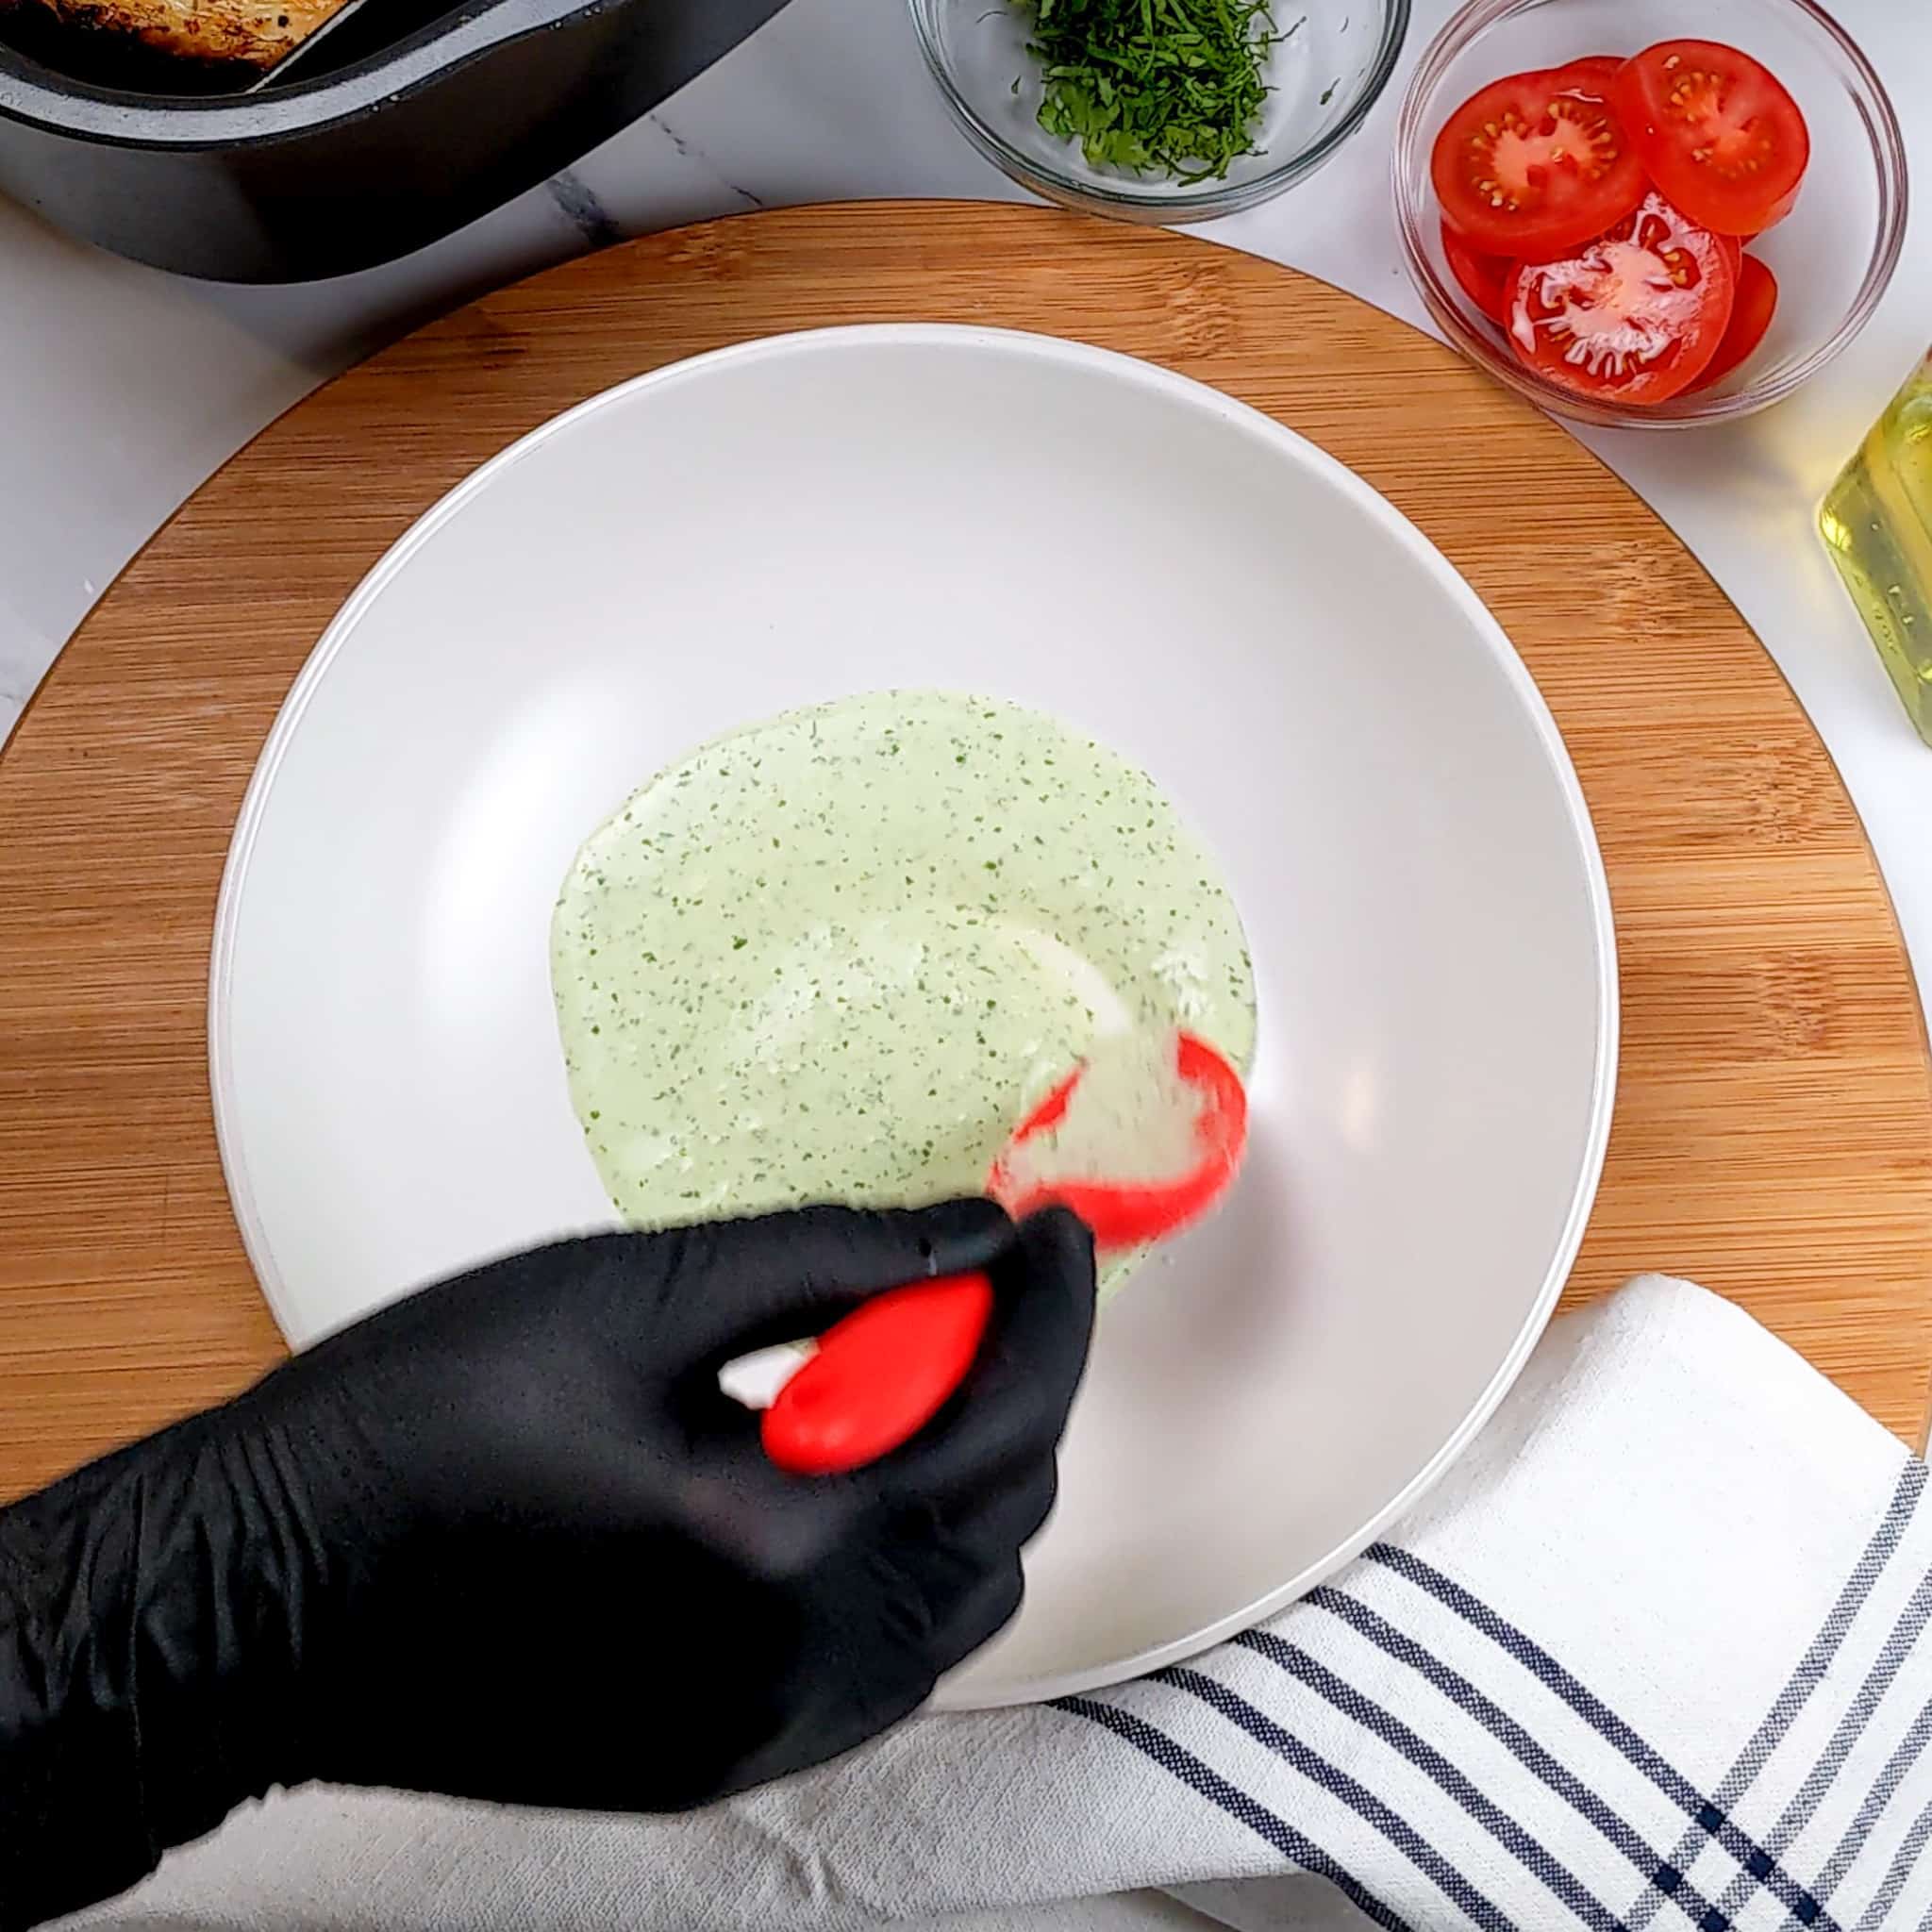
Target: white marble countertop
point(127, 386)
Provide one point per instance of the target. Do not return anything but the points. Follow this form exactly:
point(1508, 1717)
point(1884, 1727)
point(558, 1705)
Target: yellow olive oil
point(1876, 522)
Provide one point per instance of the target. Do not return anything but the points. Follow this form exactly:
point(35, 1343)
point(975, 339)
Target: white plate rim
point(1120, 367)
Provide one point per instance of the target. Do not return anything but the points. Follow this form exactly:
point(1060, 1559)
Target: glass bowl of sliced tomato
point(1645, 212)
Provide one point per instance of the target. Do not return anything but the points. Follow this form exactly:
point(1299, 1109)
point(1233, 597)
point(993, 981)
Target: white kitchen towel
point(1653, 1655)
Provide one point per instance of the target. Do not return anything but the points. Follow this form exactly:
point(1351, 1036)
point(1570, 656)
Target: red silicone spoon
point(1129, 1215)
point(887, 1369)
point(880, 1377)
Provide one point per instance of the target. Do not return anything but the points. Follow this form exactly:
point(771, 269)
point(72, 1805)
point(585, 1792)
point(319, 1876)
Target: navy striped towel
point(1655, 1655)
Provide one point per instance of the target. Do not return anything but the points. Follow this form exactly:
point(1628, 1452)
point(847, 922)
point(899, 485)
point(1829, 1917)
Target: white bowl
point(1318, 688)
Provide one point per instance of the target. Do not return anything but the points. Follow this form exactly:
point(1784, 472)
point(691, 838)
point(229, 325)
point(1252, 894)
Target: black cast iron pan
point(379, 150)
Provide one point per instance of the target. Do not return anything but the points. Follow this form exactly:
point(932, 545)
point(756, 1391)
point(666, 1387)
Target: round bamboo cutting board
point(1773, 1125)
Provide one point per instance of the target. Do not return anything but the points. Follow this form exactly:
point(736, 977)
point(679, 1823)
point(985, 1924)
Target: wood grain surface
point(1773, 1125)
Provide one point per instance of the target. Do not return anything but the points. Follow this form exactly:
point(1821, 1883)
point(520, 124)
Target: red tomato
point(1591, 75)
point(1719, 134)
point(1634, 316)
point(1530, 165)
point(1482, 275)
point(880, 1377)
point(1751, 316)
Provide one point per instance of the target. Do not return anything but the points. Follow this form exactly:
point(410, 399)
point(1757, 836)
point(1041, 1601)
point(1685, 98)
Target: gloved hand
point(507, 1540)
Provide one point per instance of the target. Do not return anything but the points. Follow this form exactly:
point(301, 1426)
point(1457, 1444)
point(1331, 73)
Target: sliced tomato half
point(1751, 316)
point(1634, 316)
point(1534, 164)
point(1718, 132)
point(1484, 277)
point(1592, 75)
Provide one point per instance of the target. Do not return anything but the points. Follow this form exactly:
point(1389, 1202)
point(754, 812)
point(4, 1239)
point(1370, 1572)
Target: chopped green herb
point(1171, 87)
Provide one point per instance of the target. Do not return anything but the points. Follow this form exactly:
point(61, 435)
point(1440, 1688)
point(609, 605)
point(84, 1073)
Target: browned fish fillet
point(259, 32)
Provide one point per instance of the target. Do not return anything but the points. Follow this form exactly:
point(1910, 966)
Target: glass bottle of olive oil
point(1877, 524)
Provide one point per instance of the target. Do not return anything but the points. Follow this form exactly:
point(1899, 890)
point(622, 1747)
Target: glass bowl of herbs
point(1159, 111)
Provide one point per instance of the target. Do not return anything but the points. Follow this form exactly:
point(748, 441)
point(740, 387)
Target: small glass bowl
point(1324, 76)
point(1832, 255)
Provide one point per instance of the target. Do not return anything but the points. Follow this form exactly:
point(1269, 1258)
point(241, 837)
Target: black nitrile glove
point(507, 1540)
